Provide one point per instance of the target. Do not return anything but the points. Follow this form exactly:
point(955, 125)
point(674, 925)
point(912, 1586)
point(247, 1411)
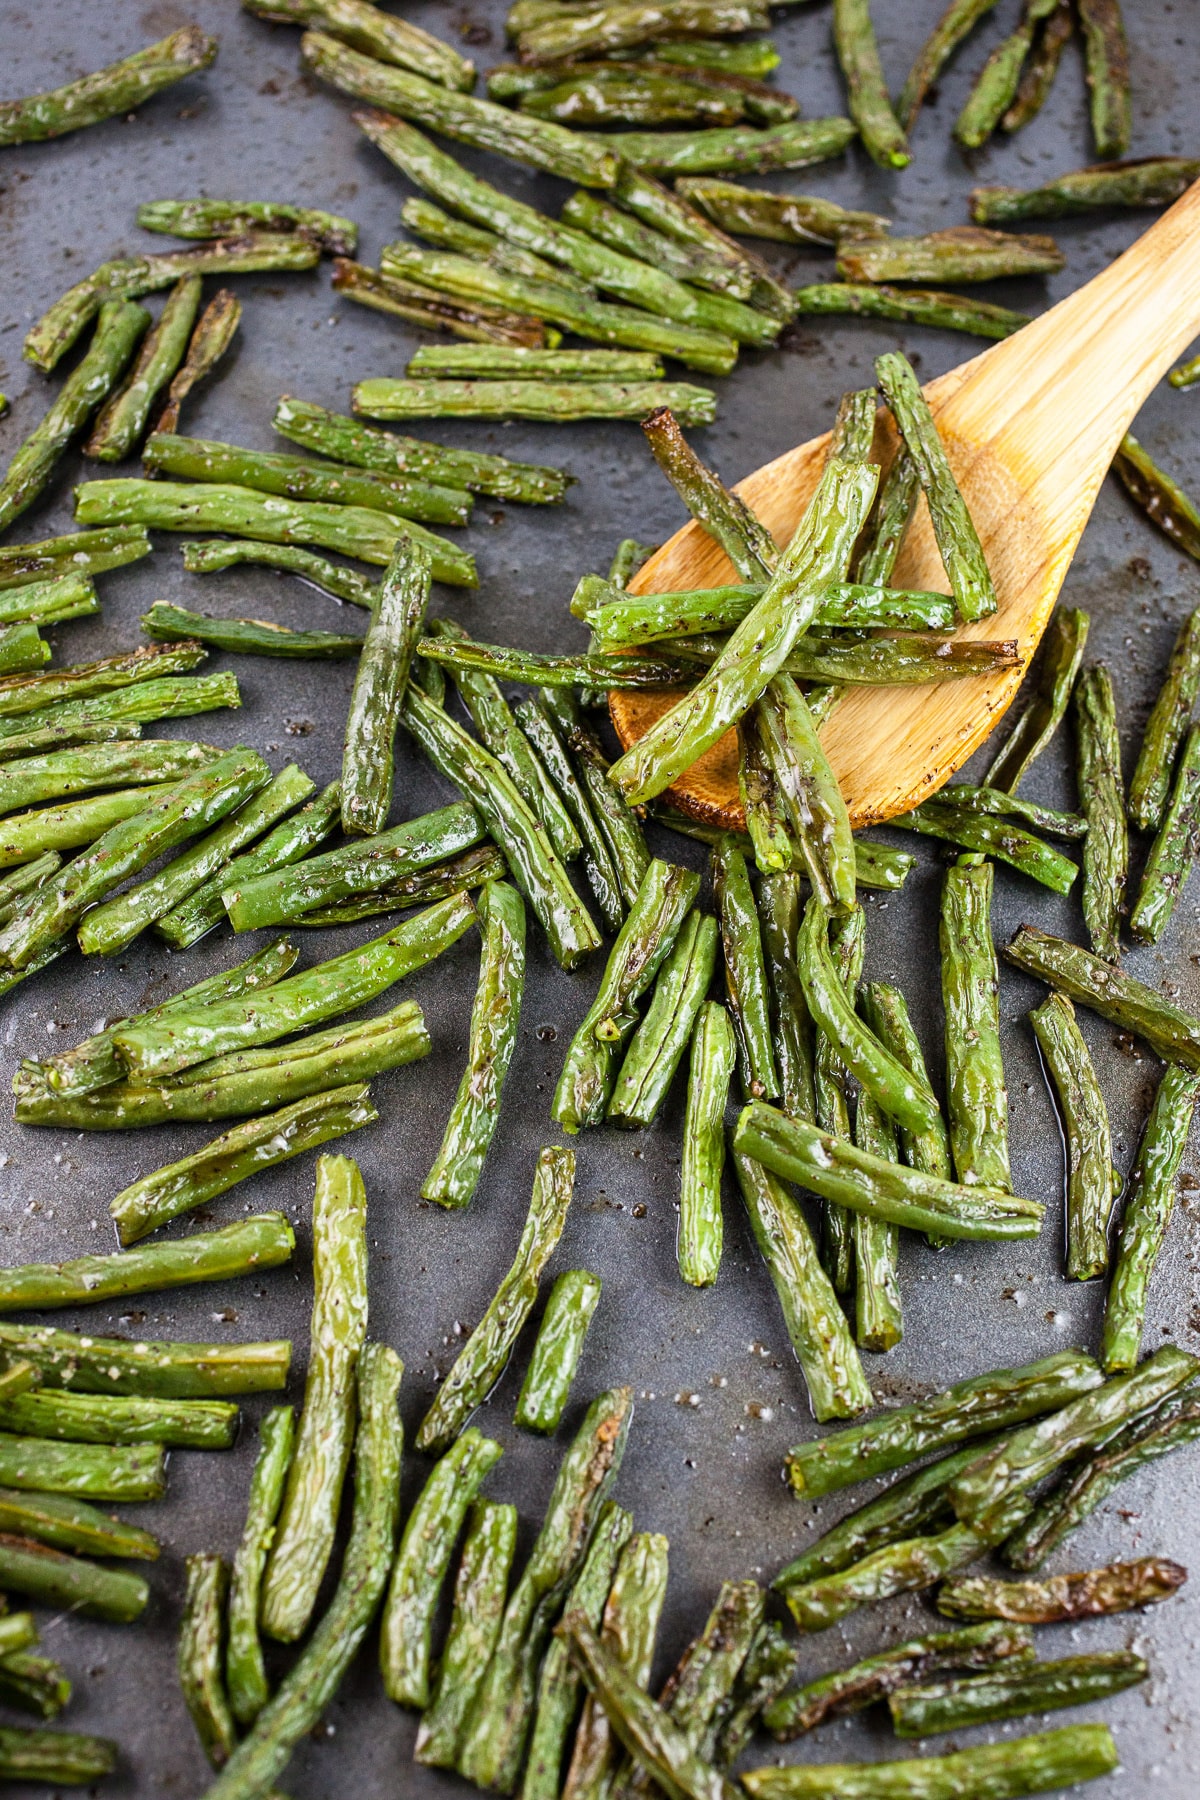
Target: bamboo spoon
point(1030, 427)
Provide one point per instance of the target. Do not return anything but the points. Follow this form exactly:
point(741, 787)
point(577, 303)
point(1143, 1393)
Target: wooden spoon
point(1030, 427)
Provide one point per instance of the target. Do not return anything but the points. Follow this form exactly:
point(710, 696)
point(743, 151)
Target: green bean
point(245, 1675)
point(646, 96)
point(1010, 1693)
point(866, 90)
point(69, 1524)
point(93, 1471)
point(89, 384)
point(98, 1365)
point(359, 531)
point(125, 414)
point(809, 793)
point(617, 821)
point(228, 218)
point(70, 721)
point(1041, 67)
point(1092, 1181)
point(260, 1143)
point(735, 149)
point(51, 602)
point(904, 1509)
point(543, 734)
point(245, 637)
point(376, 33)
point(79, 554)
point(916, 306)
point(555, 1359)
point(24, 880)
point(647, 1731)
point(480, 1590)
point(783, 218)
point(291, 841)
point(94, 1062)
point(769, 823)
point(643, 944)
point(495, 1017)
point(494, 721)
point(104, 94)
point(168, 818)
point(637, 238)
point(535, 868)
point(957, 539)
point(347, 441)
point(983, 1403)
point(559, 1686)
point(961, 253)
point(499, 1723)
point(35, 779)
point(1051, 1759)
point(491, 361)
point(1186, 375)
point(108, 928)
point(824, 1347)
point(851, 1690)
point(886, 1012)
point(187, 1037)
point(628, 1632)
point(956, 23)
point(22, 648)
point(831, 1088)
point(297, 888)
point(212, 336)
point(891, 514)
point(629, 558)
point(199, 1656)
point(1117, 1588)
point(875, 662)
point(105, 1419)
point(247, 1081)
point(755, 59)
point(1166, 728)
point(297, 478)
point(1022, 1459)
point(878, 1311)
point(1160, 497)
point(758, 648)
point(207, 556)
point(463, 315)
point(836, 1170)
point(487, 126)
point(71, 1583)
point(66, 827)
point(559, 401)
point(379, 684)
point(1102, 798)
point(1107, 60)
point(745, 972)
point(473, 869)
point(128, 277)
point(313, 1680)
point(420, 1567)
point(882, 1074)
point(565, 37)
point(745, 540)
point(899, 1568)
point(34, 1683)
point(701, 1227)
point(65, 1758)
point(1150, 1200)
point(725, 266)
point(263, 1241)
point(621, 622)
point(1062, 656)
point(659, 1042)
point(304, 1532)
point(997, 83)
point(791, 1022)
point(769, 1666)
point(976, 1089)
point(48, 737)
point(1145, 181)
point(712, 351)
point(998, 804)
point(481, 1360)
point(1171, 1425)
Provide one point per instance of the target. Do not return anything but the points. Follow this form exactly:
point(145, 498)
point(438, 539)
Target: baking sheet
point(720, 1397)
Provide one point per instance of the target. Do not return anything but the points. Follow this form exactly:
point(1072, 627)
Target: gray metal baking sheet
point(719, 1395)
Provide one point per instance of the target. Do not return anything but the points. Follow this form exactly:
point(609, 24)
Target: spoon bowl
point(1030, 427)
